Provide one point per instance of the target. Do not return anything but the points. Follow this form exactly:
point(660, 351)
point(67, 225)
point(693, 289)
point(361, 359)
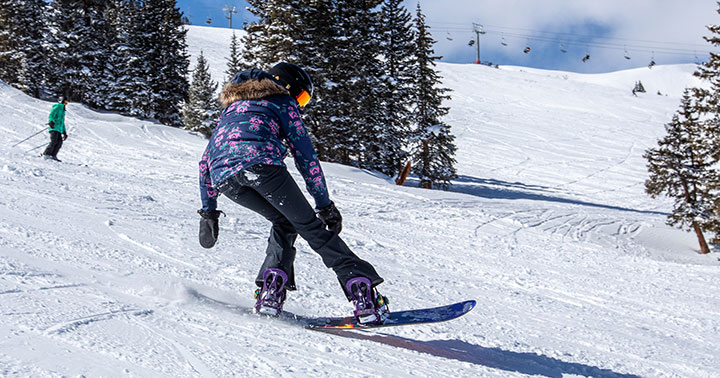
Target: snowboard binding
point(271, 297)
point(370, 306)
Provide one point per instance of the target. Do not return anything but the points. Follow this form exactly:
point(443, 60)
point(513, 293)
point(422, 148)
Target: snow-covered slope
point(215, 46)
point(548, 228)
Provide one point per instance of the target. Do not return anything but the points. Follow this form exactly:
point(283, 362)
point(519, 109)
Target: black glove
point(64, 135)
point(331, 217)
point(209, 227)
point(51, 124)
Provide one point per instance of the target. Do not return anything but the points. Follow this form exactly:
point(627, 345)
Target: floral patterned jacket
point(258, 126)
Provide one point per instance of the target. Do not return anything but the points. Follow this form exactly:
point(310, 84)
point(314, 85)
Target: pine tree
point(23, 30)
point(234, 61)
point(367, 92)
point(333, 112)
point(708, 103)
point(684, 167)
point(76, 45)
point(349, 118)
point(167, 57)
point(396, 43)
point(269, 38)
point(99, 46)
point(11, 56)
point(133, 92)
point(710, 71)
point(433, 147)
point(116, 76)
point(315, 33)
point(360, 58)
point(202, 109)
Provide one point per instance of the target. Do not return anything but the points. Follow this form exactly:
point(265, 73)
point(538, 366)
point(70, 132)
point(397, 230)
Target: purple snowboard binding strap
point(271, 297)
point(370, 307)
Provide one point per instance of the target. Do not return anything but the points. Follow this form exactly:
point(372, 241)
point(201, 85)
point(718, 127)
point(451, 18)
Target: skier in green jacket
point(57, 129)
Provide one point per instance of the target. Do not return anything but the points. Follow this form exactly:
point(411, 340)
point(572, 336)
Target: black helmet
point(295, 80)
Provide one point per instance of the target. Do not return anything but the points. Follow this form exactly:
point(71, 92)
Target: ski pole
point(35, 148)
point(28, 137)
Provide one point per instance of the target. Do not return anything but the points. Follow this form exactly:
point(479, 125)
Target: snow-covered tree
point(167, 58)
point(117, 77)
point(361, 90)
point(77, 50)
point(684, 167)
point(269, 38)
point(396, 43)
point(315, 33)
point(362, 58)
point(23, 31)
point(11, 56)
point(202, 108)
point(234, 61)
point(433, 147)
point(708, 100)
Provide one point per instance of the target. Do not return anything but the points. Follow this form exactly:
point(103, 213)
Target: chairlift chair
point(587, 55)
point(627, 56)
point(562, 48)
point(652, 61)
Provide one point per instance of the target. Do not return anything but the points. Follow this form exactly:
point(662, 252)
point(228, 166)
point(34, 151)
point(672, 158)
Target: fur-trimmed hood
point(252, 84)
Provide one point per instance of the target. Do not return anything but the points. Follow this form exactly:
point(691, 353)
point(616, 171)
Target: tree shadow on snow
point(495, 358)
point(497, 189)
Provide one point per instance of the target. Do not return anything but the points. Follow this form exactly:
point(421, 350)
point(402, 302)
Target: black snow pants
point(55, 143)
point(271, 192)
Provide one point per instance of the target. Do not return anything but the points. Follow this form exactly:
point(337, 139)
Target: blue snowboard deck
point(396, 318)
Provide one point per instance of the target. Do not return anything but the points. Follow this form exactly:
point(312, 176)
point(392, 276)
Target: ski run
point(547, 228)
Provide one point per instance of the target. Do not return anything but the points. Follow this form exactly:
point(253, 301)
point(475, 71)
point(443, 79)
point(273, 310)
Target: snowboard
point(396, 318)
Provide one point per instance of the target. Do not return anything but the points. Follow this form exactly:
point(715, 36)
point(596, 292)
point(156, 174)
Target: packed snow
point(547, 227)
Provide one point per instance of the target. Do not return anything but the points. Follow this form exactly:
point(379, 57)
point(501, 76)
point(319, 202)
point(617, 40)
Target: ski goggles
point(303, 98)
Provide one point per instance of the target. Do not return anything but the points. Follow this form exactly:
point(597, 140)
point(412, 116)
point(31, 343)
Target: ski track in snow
point(547, 227)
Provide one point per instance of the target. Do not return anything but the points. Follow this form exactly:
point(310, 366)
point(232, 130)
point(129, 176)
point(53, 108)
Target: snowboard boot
point(271, 297)
point(371, 307)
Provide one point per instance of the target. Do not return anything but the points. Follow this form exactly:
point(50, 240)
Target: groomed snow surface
point(547, 227)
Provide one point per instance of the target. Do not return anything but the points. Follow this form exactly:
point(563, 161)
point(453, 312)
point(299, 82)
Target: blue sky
point(666, 31)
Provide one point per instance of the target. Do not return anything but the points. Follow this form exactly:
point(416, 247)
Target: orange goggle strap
point(303, 98)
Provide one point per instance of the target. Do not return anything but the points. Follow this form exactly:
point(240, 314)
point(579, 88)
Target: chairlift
point(449, 36)
point(208, 21)
point(471, 43)
point(502, 40)
point(562, 48)
point(627, 56)
point(697, 60)
point(587, 55)
point(527, 46)
point(652, 61)
point(527, 50)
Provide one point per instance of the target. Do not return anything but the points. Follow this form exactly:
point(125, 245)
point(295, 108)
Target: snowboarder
point(244, 162)
point(56, 123)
